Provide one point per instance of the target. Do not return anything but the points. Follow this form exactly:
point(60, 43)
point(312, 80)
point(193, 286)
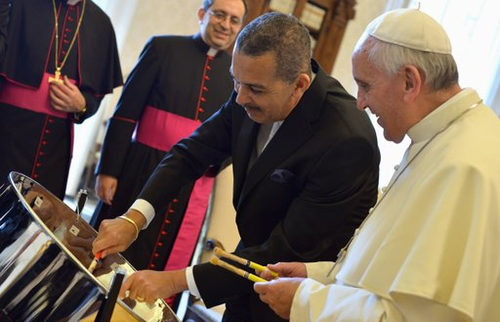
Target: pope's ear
point(413, 81)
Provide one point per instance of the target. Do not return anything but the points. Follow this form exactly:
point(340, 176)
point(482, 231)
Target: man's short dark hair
point(208, 3)
point(283, 35)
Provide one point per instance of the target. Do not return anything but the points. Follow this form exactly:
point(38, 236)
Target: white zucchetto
point(410, 28)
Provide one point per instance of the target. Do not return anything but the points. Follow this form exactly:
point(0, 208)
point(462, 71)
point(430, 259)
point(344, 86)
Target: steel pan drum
point(45, 250)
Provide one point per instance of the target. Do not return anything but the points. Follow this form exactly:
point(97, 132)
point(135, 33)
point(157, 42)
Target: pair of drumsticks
point(219, 253)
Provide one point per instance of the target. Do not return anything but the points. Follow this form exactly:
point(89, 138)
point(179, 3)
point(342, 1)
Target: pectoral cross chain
point(58, 66)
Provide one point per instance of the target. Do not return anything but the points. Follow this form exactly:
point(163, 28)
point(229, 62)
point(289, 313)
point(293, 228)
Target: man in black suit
point(305, 165)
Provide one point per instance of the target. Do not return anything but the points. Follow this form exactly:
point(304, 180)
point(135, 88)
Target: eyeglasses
point(221, 16)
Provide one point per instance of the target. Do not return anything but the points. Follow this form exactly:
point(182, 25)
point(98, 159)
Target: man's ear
point(413, 82)
point(302, 83)
point(201, 13)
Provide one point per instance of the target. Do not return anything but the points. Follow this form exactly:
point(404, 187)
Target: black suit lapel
point(294, 131)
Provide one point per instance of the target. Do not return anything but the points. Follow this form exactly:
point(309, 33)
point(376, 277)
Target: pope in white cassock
point(428, 251)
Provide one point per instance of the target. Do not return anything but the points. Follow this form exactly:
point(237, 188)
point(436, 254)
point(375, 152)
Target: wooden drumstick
point(223, 254)
point(93, 264)
point(238, 271)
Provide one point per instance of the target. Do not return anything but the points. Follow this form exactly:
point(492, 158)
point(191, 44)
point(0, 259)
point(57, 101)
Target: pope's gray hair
point(439, 71)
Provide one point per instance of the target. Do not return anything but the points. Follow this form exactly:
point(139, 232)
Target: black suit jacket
point(302, 198)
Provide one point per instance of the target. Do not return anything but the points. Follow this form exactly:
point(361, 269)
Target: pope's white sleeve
point(320, 271)
point(317, 302)
point(314, 301)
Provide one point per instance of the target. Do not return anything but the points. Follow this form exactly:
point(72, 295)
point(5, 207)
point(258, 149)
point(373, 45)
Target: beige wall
point(156, 17)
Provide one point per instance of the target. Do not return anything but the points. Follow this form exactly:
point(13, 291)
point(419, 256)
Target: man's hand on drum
point(116, 235)
point(147, 286)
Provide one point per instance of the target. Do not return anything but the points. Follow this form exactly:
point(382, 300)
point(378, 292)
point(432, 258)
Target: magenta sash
point(36, 100)
point(161, 130)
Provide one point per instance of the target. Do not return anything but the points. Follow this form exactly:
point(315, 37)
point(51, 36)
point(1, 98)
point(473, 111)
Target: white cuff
point(146, 209)
point(193, 289)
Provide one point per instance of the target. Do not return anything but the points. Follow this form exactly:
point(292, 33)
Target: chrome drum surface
point(45, 250)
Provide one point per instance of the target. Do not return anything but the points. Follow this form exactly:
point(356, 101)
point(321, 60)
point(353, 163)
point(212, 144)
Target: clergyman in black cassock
point(36, 137)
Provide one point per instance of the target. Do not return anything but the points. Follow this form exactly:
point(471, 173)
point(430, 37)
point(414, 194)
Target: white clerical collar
point(441, 116)
point(72, 2)
point(212, 52)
